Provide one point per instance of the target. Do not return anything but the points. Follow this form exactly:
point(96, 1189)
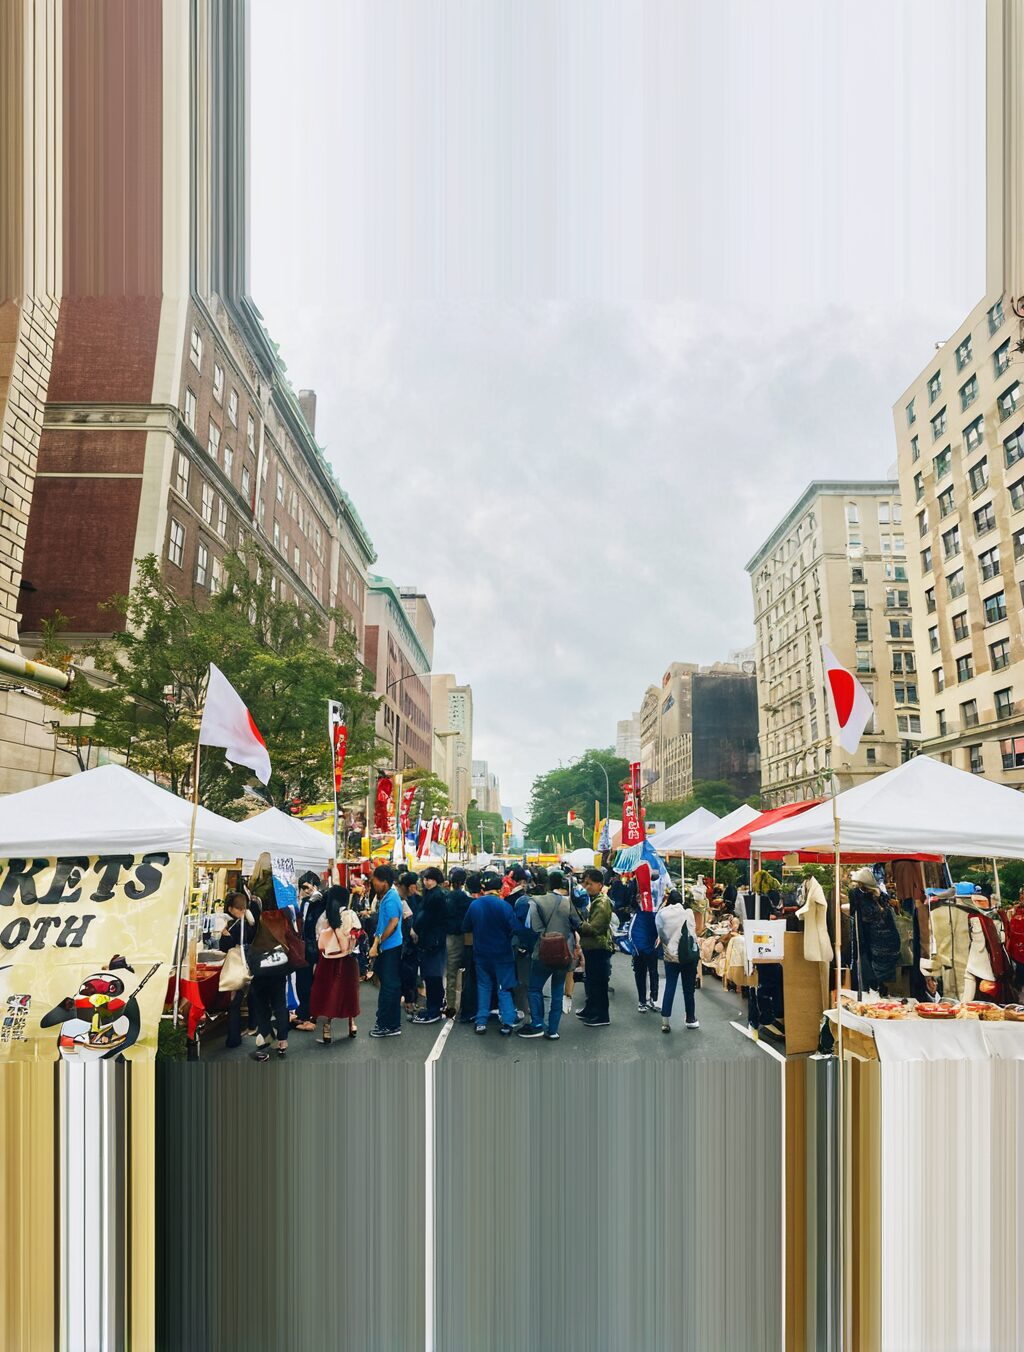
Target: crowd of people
point(469, 946)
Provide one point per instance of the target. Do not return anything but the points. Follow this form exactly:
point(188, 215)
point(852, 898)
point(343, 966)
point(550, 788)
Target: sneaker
point(666, 1027)
point(392, 1032)
point(652, 1004)
point(581, 1013)
point(596, 1023)
point(530, 1031)
point(427, 1018)
point(506, 1030)
point(480, 1028)
point(552, 1037)
point(695, 1024)
point(261, 1054)
point(642, 1007)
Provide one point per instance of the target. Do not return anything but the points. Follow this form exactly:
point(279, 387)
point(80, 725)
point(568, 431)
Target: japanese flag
point(851, 707)
point(228, 723)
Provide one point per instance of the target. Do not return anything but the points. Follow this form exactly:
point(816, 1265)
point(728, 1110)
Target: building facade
point(452, 713)
point(627, 738)
point(400, 667)
point(486, 788)
point(960, 441)
point(834, 570)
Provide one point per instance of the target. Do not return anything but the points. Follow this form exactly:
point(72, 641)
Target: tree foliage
point(431, 792)
point(146, 693)
point(493, 834)
point(576, 787)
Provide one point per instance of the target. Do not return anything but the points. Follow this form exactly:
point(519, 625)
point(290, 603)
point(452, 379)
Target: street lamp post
point(607, 786)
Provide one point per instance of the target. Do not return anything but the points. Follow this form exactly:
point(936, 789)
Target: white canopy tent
point(922, 807)
point(110, 810)
point(674, 840)
point(279, 834)
point(701, 844)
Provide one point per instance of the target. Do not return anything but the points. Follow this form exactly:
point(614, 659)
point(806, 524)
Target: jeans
point(303, 986)
point(491, 973)
point(645, 965)
point(454, 963)
point(539, 977)
point(388, 966)
point(268, 999)
point(597, 963)
point(524, 967)
point(234, 1038)
point(432, 965)
point(410, 966)
point(686, 975)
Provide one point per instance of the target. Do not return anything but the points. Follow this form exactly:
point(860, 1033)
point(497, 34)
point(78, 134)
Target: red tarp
point(737, 845)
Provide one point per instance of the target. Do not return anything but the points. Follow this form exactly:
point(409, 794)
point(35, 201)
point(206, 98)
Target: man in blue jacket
point(489, 928)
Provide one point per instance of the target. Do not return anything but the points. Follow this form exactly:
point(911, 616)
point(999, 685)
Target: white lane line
point(429, 1200)
point(758, 1041)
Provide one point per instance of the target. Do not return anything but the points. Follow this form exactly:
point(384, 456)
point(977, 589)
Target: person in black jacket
point(240, 929)
point(311, 908)
point(430, 926)
point(456, 901)
point(876, 938)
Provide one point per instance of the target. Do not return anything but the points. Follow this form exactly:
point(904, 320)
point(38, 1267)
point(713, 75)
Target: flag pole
point(840, 1116)
point(186, 904)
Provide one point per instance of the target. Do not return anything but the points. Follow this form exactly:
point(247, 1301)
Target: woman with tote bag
point(235, 939)
point(335, 993)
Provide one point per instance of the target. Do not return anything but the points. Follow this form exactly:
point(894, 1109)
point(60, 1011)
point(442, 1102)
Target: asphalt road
point(630, 1034)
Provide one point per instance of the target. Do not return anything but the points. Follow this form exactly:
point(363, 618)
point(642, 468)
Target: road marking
point(429, 1200)
point(763, 1045)
point(438, 1046)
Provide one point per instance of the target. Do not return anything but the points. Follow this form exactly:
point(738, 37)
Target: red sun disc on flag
point(843, 691)
point(254, 729)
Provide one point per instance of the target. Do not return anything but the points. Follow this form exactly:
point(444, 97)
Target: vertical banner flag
point(644, 894)
point(383, 811)
point(406, 803)
point(851, 706)
point(632, 823)
point(339, 740)
point(571, 818)
point(597, 825)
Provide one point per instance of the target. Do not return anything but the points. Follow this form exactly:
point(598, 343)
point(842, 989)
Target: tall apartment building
point(833, 570)
point(400, 666)
point(700, 725)
point(452, 713)
point(627, 737)
point(960, 439)
point(486, 788)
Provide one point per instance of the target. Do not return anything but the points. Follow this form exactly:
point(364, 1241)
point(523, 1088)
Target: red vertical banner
point(632, 812)
point(634, 779)
point(340, 732)
point(407, 796)
point(384, 808)
point(644, 893)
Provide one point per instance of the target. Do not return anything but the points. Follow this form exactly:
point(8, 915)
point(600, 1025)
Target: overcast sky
point(590, 290)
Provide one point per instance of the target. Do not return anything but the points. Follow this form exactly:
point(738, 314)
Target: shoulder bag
point(553, 951)
point(234, 971)
point(337, 943)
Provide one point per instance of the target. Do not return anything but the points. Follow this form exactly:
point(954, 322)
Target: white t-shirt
point(670, 921)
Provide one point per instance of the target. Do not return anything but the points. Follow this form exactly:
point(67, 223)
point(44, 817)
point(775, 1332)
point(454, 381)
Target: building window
point(246, 481)
point(216, 577)
point(903, 662)
point(261, 511)
point(1018, 544)
point(940, 716)
point(974, 434)
point(915, 448)
point(864, 659)
point(906, 693)
point(277, 535)
point(190, 410)
point(946, 501)
point(181, 482)
point(976, 763)
point(900, 629)
point(911, 414)
point(922, 522)
point(222, 519)
point(943, 463)
point(280, 487)
point(939, 678)
point(1012, 752)
point(196, 349)
point(964, 668)
point(218, 382)
point(996, 317)
point(872, 755)
point(207, 507)
point(1017, 495)
point(176, 543)
point(1013, 446)
point(978, 475)
point(1004, 702)
point(250, 433)
point(1010, 400)
point(852, 514)
point(999, 654)
point(995, 607)
point(964, 354)
point(857, 573)
point(213, 444)
point(926, 559)
point(929, 600)
point(296, 558)
point(934, 387)
point(939, 423)
point(951, 542)
point(233, 408)
point(862, 631)
point(989, 563)
point(202, 564)
point(968, 393)
point(960, 629)
point(955, 582)
point(969, 713)
point(984, 519)
point(933, 638)
point(896, 599)
point(1001, 358)
point(918, 486)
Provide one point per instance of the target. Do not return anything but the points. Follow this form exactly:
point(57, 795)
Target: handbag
point(234, 972)
point(553, 950)
point(280, 925)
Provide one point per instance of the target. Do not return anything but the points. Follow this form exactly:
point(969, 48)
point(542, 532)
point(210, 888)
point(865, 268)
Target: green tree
point(145, 696)
point(493, 834)
point(576, 788)
point(431, 792)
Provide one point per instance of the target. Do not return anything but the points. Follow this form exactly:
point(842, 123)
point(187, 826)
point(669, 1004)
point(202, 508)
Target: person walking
point(555, 920)
point(523, 936)
point(311, 908)
point(268, 990)
point(430, 931)
point(643, 935)
point(468, 1002)
point(596, 942)
point(386, 952)
point(335, 992)
point(489, 929)
point(456, 901)
point(408, 885)
point(240, 929)
point(677, 929)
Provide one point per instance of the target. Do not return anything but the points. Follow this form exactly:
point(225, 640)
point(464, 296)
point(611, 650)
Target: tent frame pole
point(840, 1115)
point(186, 903)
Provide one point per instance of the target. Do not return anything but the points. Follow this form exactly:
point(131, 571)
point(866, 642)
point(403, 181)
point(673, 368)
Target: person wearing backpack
point(430, 927)
point(556, 921)
point(335, 991)
point(677, 928)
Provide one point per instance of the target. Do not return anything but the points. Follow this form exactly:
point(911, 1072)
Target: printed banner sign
point(632, 831)
point(86, 947)
point(407, 796)
point(644, 891)
point(384, 810)
point(286, 890)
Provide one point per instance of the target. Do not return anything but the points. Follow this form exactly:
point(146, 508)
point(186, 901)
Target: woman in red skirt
point(335, 992)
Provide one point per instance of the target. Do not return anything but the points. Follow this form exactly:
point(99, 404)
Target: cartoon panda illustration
point(99, 1023)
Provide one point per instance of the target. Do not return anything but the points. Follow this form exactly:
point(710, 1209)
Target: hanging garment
point(814, 913)
point(879, 938)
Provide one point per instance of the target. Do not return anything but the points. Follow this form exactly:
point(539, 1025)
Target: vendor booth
point(674, 840)
point(276, 833)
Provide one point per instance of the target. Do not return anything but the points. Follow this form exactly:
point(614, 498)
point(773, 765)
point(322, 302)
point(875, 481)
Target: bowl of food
point(945, 1009)
point(1013, 1013)
point(973, 1009)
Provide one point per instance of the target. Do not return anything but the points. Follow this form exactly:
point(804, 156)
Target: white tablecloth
point(932, 1040)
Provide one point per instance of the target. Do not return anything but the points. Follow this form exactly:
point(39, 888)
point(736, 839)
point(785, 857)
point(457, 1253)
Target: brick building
point(399, 648)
